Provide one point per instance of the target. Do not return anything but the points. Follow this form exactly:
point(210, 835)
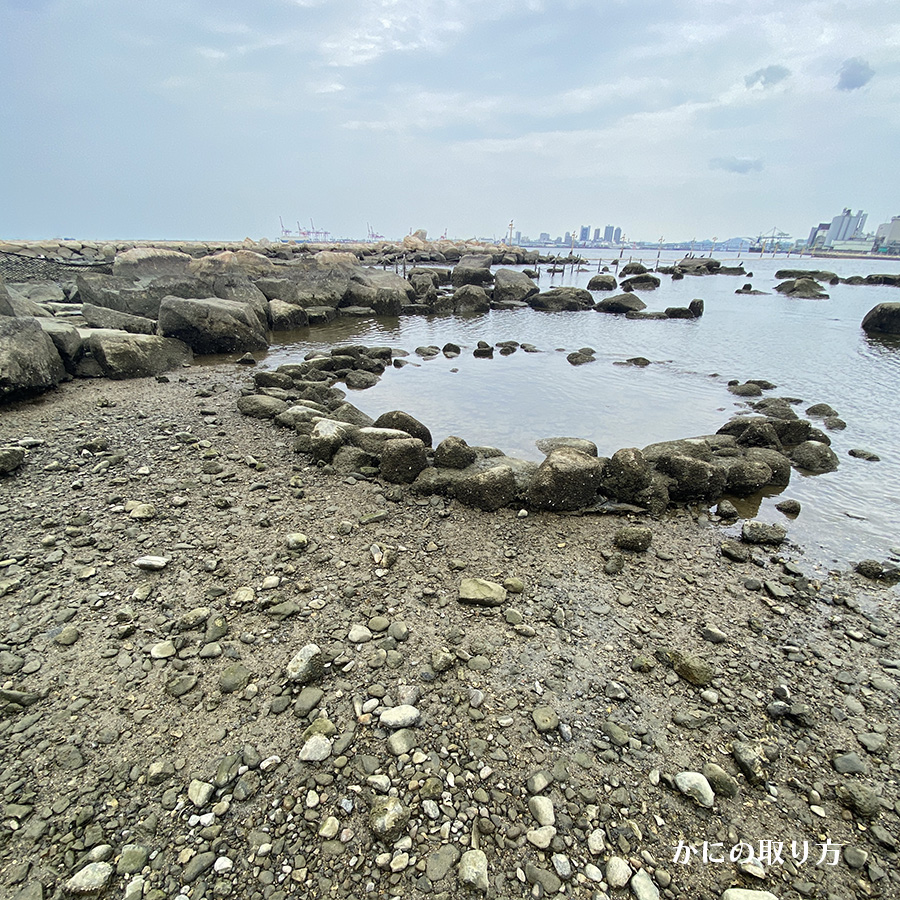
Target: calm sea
point(814, 350)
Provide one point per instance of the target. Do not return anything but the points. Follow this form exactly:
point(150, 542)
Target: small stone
point(695, 786)
point(481, 592)
point(636, 538)
point(316, 749)
point(307, 665)
point(152, 563)
point(618, 872)
point(296, 541)
point(541, 837)
point(849, 764)
point(542, 810)
point(68, 636)
point(92, 879)
point(399, 716)
point(545, 719)
point(132, 859)
point(200, 792)
point(359, 634)
point(163, 650)
point(234, 678)
point(473, 871)
point(642, 886)
point(388, 819)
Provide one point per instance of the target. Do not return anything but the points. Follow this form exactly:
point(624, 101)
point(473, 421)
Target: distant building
point(845, 227)
point(584, 235)
point(617, 236)
point(596, 235)
point(545, 237)
point(817, 235)
point(568, 237)
point(887, 236)
point(518, 238)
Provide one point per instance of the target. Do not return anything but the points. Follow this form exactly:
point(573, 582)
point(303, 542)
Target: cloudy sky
point(208, 120)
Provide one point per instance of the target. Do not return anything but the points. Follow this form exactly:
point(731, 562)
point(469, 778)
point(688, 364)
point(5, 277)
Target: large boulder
point(67, 340)
point(286, 317)
point(645, 282)
point(403, 421)
point(470, 299)
point(602, 282)
point(211, 325)
point(454, 453)
point(402, 459)
point(232, 262)
point(814, 456)
point(882, 319)
point(386, 293)
point(150, 262)
point(23, 306)
point(698, 265)
point(511, 285)
point(6, 307)
point(309, 283)
point(138, 298)
point(802, 288)
point(123, 355)
point(102, 317)
point(490, 489)
point(621, 303)
point(559, 299)
point(567, 479)
point(692, 479)
point(243, 290)
point(472, 269)
point(626, 476)
point(29, 361)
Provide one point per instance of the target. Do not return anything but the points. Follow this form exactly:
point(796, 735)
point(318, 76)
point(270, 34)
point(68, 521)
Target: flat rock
point(481, 592)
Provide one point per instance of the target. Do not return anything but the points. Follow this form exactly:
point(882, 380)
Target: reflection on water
point(814, 350)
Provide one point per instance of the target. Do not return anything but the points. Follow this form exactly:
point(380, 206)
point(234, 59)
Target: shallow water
point(813, 350)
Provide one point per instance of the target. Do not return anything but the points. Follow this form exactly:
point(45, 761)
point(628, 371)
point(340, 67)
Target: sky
point(202, 120)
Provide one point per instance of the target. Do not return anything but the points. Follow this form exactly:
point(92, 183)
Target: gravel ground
point(163, 560)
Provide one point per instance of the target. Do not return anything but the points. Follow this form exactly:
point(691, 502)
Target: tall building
point(568, 239)
point(608, 233)
point(518, 238)
point(845, 227)
point(617, 236)
point(887, 237)
point(584, 235)
point(545, 237)
point(596, 235)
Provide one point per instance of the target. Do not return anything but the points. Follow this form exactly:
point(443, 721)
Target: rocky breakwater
point(158, 306)
point(750, 453)
point(230, 671)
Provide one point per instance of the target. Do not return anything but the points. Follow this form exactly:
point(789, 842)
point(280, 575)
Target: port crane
point(773, 237)
point(303, 234)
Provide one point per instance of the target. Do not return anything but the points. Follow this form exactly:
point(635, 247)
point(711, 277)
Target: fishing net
point(19, 267)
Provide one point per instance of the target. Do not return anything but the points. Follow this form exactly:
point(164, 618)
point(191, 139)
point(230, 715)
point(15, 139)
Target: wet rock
point(454, 453)
point(882, 319)
point(814, 456)
point(636, 538)
point(402, 460)
point(489, 490)
point(567, 479)
point(756, 532)
point(620, 304)
point(401, 421)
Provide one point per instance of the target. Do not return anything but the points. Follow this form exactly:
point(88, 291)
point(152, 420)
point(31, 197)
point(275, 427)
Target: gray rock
point(439, 862)
point(745, 894)
point(542, 810)
point(849, 764)
point(636, 538)
point(307, 665)
point(287, 316)
point(473, 871)
point(882, 319)
point(545, 719)
point(234, 678)
point(29, 361)
point(402, 460)
point(399, 716)
point(211, 325)
point(121, 355)
point(492, 489)
point(92, 879)
point(567, 479)
point(756, 532)
point(621, 303)
point(388, 819)
point(642, 886)
point(618, 872)
point(481, 592)
point(198, 865)
point(453, 453)
point(10, 459)
point(695, 786)
point(720, 781)
point(814, 456)
point(316, 749)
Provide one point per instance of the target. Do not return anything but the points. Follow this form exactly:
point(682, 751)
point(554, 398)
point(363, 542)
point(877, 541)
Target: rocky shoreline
point(235, 668)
